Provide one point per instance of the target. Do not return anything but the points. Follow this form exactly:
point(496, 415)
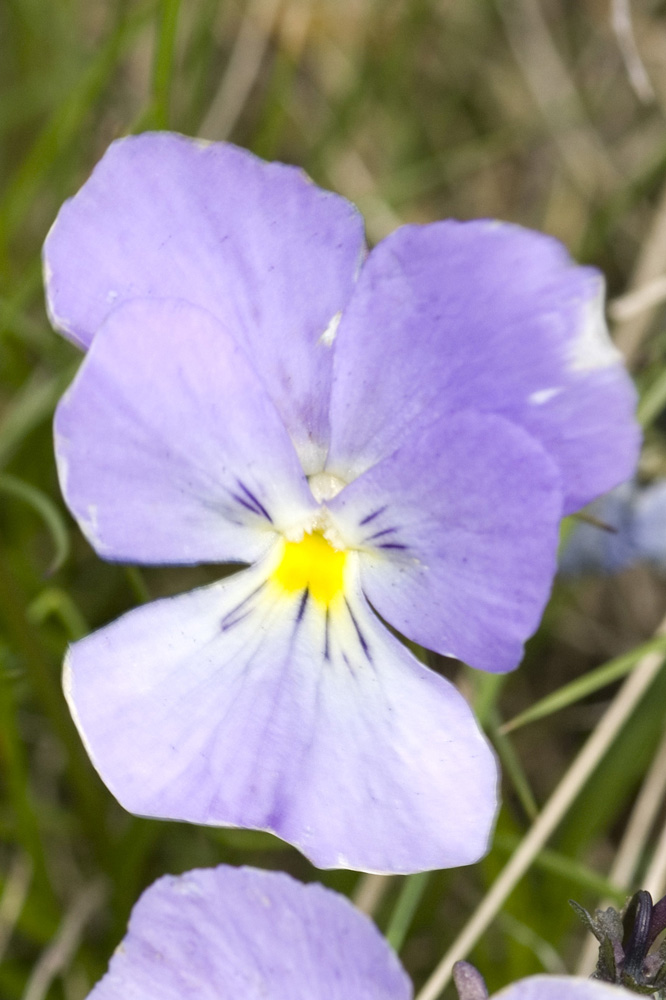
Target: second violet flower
point(396, 436)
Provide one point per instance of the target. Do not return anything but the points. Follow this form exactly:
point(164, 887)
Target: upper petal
point(458, 533)
point(257, 244)
point(169, 449)
point(486, 316)
point(243, 934)
point(231, 706)
point(561, 988)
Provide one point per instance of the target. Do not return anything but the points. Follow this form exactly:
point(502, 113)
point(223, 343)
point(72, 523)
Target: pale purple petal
point(243, 934)
point(257, 244)
point(169, 449)
point(486, 316)
point(458, 533)
point(561, 988)
point(235, 705)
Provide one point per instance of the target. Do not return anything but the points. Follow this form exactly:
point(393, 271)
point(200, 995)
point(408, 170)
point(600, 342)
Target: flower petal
point(257, 244)
point(561, 988)
point(485, 316)
point(168, 447)
point(458, 531)
point(251, 935)
point(235, 705)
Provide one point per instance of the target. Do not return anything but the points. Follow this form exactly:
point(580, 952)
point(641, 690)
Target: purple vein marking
point(361, 637)
point(327, 651)
point(254, 503)
point(378, 534)
point(227, 621)
point(301, 607)
point(371, 517)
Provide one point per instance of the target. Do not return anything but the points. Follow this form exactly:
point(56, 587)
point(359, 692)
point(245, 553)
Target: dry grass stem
point(655, 876)
point(369, 892)
point(243, 68)
point(650, 266)
point(624, 32)
point(632, 846)
point(58, 955)
point(634, 303)
point(551, 85)
point(14, 895)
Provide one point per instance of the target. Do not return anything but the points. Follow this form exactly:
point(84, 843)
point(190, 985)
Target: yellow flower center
point(312, 564)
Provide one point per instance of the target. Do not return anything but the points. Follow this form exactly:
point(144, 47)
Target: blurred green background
point(549, 113)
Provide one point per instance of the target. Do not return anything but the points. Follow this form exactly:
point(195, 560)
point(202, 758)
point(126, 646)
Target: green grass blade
point(29, 646)
point(63, 127)
point(12, 754)
point(652, 402)
point(512, 766)
point(593, 681)
point(487, 690)
point(163, 63)
point(57, 603)
point(33, 404)
point(407, 903)
point(566, 868)
point(47, 510)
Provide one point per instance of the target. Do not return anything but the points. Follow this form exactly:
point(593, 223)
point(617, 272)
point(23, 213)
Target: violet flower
point(394, 436)
point(227, 933)
point(244, 934)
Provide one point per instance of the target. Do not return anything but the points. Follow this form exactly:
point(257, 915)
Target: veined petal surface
point(256, 244)
point(237, 705)
point(562, 988)
point(485, 316)
point(168, 447)
point(457, 532)
point(243, 934)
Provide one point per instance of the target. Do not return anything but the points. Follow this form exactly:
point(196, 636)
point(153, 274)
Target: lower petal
point(238, 706)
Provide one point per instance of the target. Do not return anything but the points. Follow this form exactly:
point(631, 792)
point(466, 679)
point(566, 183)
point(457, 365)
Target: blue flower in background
point(628, 526)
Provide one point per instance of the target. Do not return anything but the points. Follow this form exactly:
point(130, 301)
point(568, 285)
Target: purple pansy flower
point(228, 933)
point(394, 436)
point(244, 934)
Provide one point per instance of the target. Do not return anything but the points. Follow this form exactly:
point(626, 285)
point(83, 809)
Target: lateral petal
point(168, 447)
